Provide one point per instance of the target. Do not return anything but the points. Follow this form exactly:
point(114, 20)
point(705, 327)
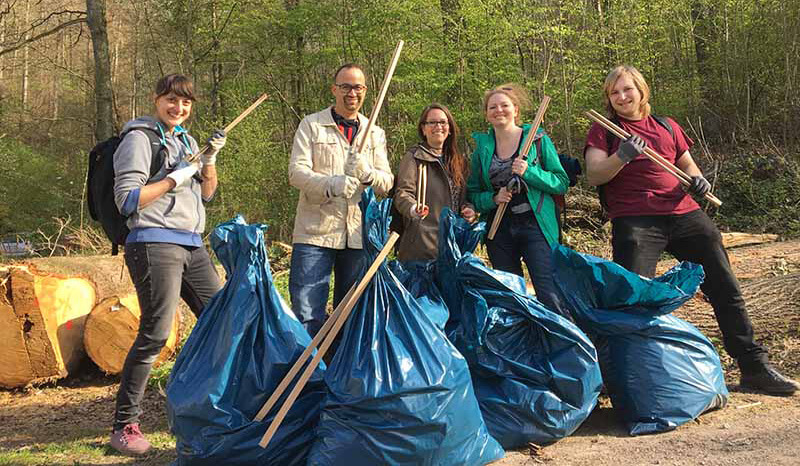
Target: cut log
point(41, 325)
point(734, 239)
point(111, 329)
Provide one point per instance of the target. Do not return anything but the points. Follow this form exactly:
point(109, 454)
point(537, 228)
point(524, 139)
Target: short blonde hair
point(516, 93)
point(638, 81)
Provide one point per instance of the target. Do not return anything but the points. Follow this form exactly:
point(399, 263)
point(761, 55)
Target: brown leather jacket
point(420, 237)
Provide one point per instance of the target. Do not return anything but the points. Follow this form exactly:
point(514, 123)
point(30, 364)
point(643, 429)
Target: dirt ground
point(68, 424)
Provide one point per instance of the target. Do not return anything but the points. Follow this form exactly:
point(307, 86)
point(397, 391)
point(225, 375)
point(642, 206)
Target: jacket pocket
point(323, 153)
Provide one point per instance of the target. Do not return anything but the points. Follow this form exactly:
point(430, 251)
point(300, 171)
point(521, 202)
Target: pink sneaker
point(129, 440)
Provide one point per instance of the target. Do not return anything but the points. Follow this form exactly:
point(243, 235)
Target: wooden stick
point(424, 186)
point(526, 148)
point(373, 116)
point(419, 187)
point(622, 134)
point(336, 327)
point(650, 154)
point(323, 332)
point(194, 157)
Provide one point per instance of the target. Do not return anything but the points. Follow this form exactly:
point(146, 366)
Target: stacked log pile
point(48, 305)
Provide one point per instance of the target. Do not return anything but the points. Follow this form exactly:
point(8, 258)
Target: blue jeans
point(310, 277)
point(162, 273)
point(520, 237)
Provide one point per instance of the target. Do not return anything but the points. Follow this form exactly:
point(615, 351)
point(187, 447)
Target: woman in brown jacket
point(447, 170)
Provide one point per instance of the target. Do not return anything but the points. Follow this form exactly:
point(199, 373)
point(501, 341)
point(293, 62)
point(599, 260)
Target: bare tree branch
point(50, 32)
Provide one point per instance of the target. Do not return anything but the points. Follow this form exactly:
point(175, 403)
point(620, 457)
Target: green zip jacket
point(544, 177)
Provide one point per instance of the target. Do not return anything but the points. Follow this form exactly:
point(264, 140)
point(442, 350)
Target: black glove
point(699, 186)
point(630, 148)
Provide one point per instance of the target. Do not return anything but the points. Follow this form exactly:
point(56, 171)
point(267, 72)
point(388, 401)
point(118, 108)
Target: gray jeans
point(161, 273)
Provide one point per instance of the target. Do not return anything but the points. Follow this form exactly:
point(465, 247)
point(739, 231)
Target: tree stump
point(41, 325)
point(111, 329)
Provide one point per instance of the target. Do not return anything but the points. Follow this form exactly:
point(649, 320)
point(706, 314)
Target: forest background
point(73, 72)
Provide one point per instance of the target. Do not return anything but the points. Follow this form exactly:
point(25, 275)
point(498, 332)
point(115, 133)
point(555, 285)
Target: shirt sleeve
point(598, 138)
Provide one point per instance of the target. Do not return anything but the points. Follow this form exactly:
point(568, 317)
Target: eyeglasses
point(431, 124)
point(346, 88)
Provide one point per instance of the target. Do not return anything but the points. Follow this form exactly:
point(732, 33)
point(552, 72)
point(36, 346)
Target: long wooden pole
point(194, 157)
point(657, 158)
point(373, 116)
point(501, 208)
point(321, 334)
point(337, 326)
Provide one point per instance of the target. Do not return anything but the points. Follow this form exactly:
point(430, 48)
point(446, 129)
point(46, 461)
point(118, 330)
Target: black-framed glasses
point(346, 88)
point(432, 124)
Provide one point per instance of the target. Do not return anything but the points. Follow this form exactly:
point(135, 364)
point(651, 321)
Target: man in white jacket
point(330, 174)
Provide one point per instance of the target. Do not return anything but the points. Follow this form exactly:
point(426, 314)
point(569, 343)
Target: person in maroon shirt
point(650, 213)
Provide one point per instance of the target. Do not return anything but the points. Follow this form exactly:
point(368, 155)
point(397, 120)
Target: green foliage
point(760, 192)
point(33, 188)
point(730, 63)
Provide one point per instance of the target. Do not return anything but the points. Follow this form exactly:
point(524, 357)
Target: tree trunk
point(41, 325)
point(103, 93)
point(111, 329)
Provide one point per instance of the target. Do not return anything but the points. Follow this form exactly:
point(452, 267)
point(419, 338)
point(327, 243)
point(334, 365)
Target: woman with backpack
point(164, 250)
point(529, 228)
point(446, 171)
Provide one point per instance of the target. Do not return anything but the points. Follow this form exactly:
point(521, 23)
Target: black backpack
point(663, 121)
point(100, 184)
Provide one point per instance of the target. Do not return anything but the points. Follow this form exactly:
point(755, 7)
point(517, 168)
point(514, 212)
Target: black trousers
point(162, 273)
point(639, 241)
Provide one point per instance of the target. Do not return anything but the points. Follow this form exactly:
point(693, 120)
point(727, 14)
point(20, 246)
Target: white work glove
point(418, 214)
point(357, 166)
point(182, 175)
point(342, 186)
point(215, 143)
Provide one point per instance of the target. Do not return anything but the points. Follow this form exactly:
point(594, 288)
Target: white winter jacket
point(319, 152)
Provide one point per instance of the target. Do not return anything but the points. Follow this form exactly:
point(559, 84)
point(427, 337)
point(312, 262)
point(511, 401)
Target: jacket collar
point(421, 152)
point(486, 141)
point(326, 119)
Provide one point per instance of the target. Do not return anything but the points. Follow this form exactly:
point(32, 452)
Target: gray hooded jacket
point(179, 209)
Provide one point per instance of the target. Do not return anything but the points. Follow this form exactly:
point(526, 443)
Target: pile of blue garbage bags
point(445, 362)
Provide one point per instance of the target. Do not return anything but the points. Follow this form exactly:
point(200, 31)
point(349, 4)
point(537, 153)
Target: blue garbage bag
point(243, 344)
point(536, 375)
point(418, 278)
point(399, 392)
point(660, 371)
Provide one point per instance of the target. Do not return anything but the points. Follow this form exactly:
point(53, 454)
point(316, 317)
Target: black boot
point(767, 379)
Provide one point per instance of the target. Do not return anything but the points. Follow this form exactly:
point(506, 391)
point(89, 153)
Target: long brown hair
point(456, 161)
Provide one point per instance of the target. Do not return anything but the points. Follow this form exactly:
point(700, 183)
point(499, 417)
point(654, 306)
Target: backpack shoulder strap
point(664, 122)
point(156, 146)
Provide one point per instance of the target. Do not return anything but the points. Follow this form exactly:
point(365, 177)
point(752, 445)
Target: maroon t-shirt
point(642, 187)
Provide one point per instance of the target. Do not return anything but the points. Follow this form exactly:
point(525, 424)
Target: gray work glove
point(215, 143)
point(342, 186)
point(699, 186)
point(630, 148)
point(358, 166)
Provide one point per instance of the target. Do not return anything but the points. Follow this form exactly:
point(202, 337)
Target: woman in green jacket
point(529, 228)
